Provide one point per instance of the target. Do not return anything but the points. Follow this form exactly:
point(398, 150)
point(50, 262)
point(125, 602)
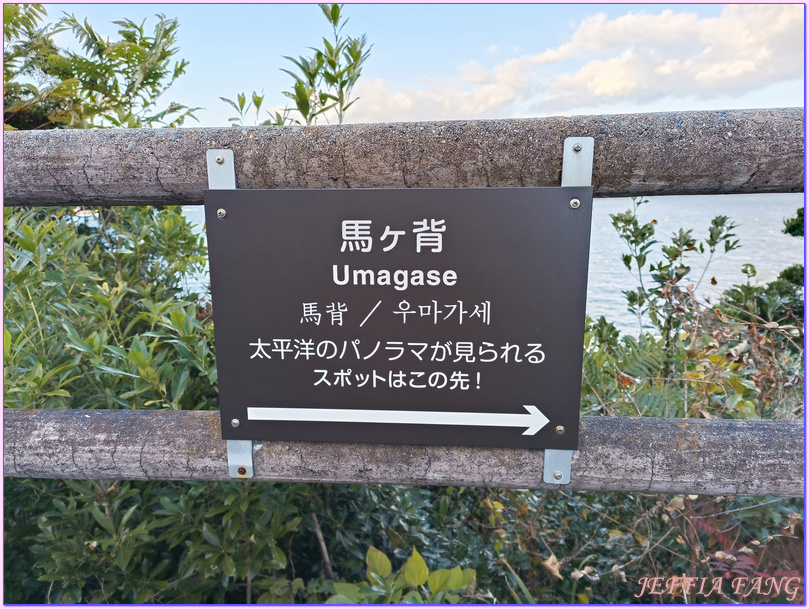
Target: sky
point(464, 61)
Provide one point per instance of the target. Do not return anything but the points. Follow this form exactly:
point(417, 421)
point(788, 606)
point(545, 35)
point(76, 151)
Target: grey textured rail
point(739, 151)
point(616, 454)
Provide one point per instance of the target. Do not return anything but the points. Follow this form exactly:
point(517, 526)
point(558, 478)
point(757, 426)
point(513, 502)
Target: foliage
point(664, 300)
point(561, 547)
point(109, 288)
point(242, 105)
point(542, 547)
point(26, 47)
point(794, 226)
point(107, 541)
point(740, 358)
point(413, 583)
point(322, 83)
point(96, 315)
point(112, 83)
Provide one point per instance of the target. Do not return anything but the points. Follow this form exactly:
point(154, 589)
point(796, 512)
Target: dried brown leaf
point(553, 565)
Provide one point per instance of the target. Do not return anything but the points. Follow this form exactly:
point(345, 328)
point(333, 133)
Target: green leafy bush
point(322, 83)
point(110, 83)
point(739, 358)
point(413, 583)
point(94, 312)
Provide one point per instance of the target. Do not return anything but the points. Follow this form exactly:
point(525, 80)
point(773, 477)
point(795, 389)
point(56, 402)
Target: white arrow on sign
point(533, 420)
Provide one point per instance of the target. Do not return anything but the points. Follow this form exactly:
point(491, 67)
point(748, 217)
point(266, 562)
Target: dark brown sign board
point(406, 316)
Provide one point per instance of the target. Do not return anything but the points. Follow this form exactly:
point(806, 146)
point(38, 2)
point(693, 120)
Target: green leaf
point(115, 371)
point(123, 554)
point(413, 598)
point(169, 506)
point(257, 100)
point(228, 566)
point(343, 599)
point(346, 589)
point(415, 570)
point(438, 581)
point(469, 575)
point(62, 393)
point(75, 341)
point(210, 535)
point(128, 515)
point(747, 408)
point(377, 562)
point(456, 580)
point(179, 384)
point(627, 259)
point(278, 557)
point(289, 526)
point(104, 521)
point(21, 262)
point(51, 577)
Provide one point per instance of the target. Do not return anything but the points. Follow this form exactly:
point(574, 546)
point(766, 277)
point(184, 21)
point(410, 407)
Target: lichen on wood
point(720, 457)
point(696, 153)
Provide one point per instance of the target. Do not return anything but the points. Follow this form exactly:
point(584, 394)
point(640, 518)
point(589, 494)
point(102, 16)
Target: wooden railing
point(742, 151)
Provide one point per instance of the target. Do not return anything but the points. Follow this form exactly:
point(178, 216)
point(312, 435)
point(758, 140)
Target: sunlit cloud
point(638, 57)
point(744, 49)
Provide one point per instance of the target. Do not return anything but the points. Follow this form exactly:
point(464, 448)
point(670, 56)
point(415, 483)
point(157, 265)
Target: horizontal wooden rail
point(616, 454)
point(739, 151)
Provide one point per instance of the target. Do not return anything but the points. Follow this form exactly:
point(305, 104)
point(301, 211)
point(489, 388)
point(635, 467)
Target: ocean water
point(759, 220)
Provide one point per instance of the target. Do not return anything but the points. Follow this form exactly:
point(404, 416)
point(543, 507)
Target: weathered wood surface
point(616, 454)
point(717, 152)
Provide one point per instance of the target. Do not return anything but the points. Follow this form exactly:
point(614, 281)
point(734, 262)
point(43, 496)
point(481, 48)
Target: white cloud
point(474, 92)
point(746, 48)
point(635, 58)
point(474, 73)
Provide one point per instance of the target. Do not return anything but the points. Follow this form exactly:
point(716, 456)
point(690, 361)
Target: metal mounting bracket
point(222, 176)
point(557, 466)
point(577, 170)
point(577, 161)
point(221, 170)
point(240, 458)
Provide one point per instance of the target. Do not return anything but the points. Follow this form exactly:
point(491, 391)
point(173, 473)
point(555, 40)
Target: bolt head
point(575, 204)
point(560, 429)
point(576, 148)
point(221, 213)
point(557, 475)
point(242, 470)
point(220, 160)
point(235, 422)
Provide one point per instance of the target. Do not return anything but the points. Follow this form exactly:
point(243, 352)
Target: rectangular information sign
point(407, 316)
